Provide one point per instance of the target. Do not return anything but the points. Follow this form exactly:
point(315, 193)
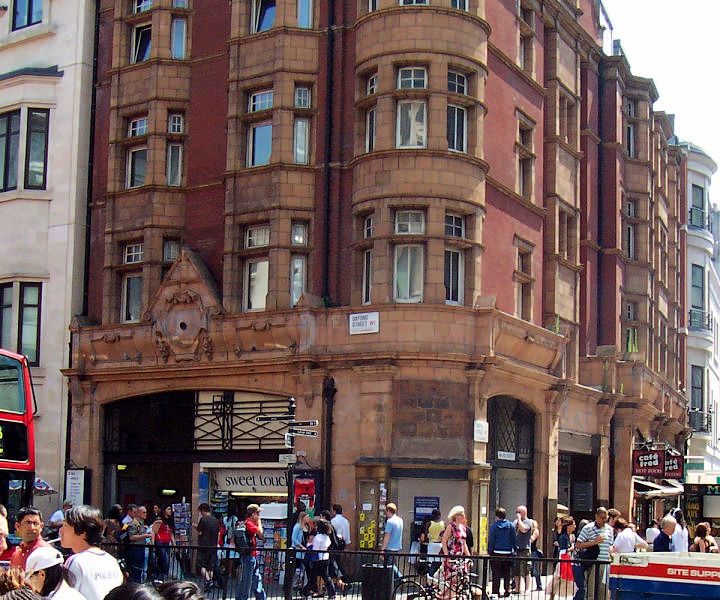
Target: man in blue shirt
point(392, 540)
point(663, 540)
point(502, 543)
point(598, 535)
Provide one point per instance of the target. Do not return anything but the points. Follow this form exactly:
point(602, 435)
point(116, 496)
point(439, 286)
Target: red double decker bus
point(17, 440)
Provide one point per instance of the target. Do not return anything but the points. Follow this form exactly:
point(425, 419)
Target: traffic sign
point(289, 442)
point(303, 432)
point(309, 423)
point(273, 418)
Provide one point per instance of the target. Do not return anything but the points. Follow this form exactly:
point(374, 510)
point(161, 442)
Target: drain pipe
point(329, 391)
point(329, 106)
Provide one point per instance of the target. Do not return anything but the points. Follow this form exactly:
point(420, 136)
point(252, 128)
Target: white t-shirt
point(342, 527)
point(320, 544)
point(651, 533)
point(57, 517)
point(680, 539)
point(626, 540)
point(65, 592)
point(96, 573)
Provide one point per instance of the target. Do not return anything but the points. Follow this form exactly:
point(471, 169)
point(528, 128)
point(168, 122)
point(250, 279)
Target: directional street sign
point(309, 423)
point(273, 418)
point(302, 432)
point(287, 459)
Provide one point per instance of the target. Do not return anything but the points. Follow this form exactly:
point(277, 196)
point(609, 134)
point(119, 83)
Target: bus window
point(12, 395)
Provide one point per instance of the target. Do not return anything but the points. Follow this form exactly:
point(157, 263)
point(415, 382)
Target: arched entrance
point(510, 452)
point(146, 448)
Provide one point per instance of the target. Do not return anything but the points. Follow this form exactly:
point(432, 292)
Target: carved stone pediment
point(181, 310)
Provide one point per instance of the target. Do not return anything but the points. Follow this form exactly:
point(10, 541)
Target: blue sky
point(676, 43)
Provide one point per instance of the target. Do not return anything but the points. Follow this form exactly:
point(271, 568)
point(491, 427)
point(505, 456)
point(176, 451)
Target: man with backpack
point(246, 536)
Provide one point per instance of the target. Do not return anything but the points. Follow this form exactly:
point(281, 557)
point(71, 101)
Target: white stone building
point(46, 69)
point(703, 288)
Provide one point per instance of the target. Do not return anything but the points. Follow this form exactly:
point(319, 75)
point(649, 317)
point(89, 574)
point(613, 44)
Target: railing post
point(289, 572)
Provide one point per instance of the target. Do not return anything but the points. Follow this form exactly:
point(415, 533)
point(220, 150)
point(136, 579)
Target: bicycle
point(460, 587)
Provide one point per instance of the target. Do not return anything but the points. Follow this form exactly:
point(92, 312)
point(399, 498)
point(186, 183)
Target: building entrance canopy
point(648, 490)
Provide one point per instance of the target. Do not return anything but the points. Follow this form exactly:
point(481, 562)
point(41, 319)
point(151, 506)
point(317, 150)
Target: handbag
point(590, 553)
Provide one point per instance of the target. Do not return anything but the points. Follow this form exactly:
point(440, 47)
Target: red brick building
point(450, 229)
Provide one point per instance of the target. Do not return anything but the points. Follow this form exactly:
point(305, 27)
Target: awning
point(647, 489)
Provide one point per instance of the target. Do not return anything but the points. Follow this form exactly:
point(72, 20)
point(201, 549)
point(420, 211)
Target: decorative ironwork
point(700, 421)
point(512, 426)
point(227, 422)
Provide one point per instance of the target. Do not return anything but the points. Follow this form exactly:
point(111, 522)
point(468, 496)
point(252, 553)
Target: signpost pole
point(289, 551)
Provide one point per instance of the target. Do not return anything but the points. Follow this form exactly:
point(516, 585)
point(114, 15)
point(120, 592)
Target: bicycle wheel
point(409, 590)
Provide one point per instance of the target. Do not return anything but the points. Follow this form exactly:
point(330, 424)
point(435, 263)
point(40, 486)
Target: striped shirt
point(591, 531)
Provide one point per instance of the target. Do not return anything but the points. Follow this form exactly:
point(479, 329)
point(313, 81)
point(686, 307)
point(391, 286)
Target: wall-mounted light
point(122, 467)
point(167, 492)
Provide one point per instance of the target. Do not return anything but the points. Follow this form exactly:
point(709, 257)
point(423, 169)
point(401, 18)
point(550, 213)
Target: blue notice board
point(424, 505)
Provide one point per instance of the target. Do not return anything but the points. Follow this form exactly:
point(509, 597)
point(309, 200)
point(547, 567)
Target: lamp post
point(289, 551)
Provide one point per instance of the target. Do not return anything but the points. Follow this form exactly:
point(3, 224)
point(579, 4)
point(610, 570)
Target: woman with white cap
point(45, 574)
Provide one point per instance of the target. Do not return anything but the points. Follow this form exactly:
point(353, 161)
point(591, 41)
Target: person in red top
point(251, 572)
point(28, 526)
point(164, 530)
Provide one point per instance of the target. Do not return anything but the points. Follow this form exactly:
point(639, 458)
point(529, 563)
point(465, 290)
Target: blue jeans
point(579, 577)
point(250, 579)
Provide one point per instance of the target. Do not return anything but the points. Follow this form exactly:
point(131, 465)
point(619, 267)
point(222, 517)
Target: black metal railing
point(700, 421)
point(700, 319)
point(697, 218)
point(362, 575)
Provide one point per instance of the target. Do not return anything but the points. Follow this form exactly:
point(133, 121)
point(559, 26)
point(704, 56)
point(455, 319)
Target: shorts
point(522, 567)
point(206, 558)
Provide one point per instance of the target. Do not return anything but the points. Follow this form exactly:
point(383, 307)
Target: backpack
point(242, 539)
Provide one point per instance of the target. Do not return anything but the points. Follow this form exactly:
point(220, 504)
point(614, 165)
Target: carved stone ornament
point(182, 309)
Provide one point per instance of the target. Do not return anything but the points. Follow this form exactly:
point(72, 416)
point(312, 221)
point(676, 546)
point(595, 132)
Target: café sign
point(658, 463)
point(251, 480)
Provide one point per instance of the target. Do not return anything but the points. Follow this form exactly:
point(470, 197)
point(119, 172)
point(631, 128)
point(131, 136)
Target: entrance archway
point(510, 452)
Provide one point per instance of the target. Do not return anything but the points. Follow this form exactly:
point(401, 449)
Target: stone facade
point(494, 371)
point(46, 73)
